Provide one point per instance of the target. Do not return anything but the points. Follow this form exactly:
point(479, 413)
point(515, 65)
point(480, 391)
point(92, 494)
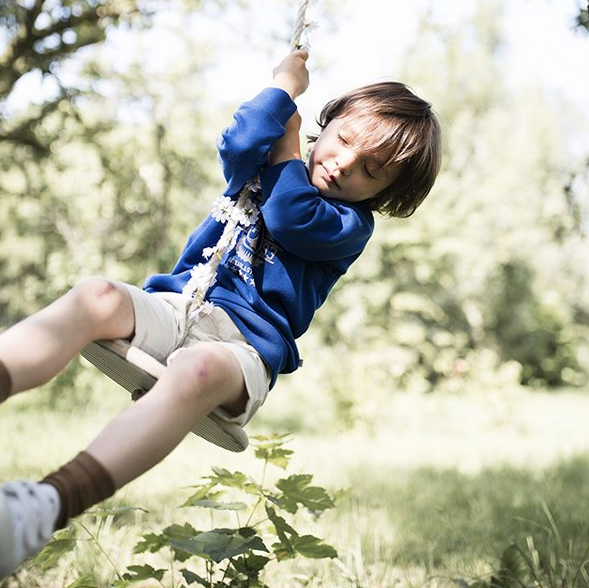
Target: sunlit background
point(443, 397)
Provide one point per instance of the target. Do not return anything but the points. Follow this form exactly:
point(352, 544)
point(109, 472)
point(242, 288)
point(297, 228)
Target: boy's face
point(339, 170)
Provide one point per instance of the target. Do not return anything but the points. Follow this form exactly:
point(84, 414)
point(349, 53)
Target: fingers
point(295, 59)
point(300, 53)
point(291, 74)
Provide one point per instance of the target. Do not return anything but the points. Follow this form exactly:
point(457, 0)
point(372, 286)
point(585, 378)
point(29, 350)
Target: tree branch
point(21, 56)
point(23, 133)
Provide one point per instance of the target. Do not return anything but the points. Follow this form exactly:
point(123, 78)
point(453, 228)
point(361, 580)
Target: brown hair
point(401, 126)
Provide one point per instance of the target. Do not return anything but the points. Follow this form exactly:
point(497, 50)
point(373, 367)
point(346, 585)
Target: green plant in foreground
point(231, 556)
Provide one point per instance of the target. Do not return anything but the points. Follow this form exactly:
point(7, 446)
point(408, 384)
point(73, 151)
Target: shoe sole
point(6, 540)
point(137, 372)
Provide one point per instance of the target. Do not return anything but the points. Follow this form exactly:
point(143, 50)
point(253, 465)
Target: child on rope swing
point(378, 150)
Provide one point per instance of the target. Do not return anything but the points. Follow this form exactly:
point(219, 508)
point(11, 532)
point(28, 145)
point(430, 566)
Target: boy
point(379, 149)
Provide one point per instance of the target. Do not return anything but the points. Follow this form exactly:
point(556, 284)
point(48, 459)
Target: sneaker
point(28, 513)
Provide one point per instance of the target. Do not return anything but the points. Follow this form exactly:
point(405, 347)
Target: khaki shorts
point(160, 329)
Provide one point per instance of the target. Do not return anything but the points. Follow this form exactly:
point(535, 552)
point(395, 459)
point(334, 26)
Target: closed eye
point(368, 174)
point(342, 139)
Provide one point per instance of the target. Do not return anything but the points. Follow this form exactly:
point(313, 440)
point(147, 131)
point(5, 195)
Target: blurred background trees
point(109, 167)
point(38, 37)
point(487, 285)
point(92, 169)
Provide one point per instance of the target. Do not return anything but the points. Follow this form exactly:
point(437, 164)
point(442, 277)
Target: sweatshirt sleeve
point(306, 224)
point(244, 145)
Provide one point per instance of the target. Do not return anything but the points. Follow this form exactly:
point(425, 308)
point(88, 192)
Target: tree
point(40, 36)
point(129, 158)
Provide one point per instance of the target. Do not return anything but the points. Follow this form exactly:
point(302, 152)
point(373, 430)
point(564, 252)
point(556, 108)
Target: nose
point(345, 161)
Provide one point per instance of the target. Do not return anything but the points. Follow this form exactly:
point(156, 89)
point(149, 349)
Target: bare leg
point(199, 379)
point(39, 347)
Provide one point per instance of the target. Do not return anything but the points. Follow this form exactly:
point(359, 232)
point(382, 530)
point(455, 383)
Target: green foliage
point(550, 565)
point(83, 582)
point(271, 449)
point(296, 490)
point(527, 331)
point(420, 507)
point(41, 36)
point(62, 542)
point(444, 520)
point(231, 556)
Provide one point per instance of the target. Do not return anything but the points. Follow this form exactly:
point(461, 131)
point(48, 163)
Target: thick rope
point(210, 270)
point(299, 27)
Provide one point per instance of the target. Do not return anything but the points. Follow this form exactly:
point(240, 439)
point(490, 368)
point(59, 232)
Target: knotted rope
point(299, 26)
point(203, 276)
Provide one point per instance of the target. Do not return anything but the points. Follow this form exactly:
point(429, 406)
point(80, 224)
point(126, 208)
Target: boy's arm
point(292, 76)
point(289, 145)
point(313, 228)
point(245, 145)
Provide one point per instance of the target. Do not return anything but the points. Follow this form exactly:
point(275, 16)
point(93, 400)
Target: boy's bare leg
point(199, 379)
point(39, 347)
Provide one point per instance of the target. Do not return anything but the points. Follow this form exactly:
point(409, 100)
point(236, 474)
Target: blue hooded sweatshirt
point(290, 248)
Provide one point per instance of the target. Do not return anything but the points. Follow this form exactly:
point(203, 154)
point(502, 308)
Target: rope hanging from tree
point(242, 213)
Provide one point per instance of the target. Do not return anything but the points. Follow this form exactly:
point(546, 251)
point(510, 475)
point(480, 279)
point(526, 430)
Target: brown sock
point(81, 483)
point(5, 383)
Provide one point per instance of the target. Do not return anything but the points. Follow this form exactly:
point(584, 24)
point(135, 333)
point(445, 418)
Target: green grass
point(430, 488)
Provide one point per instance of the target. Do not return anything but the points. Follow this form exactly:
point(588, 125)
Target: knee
point(98, 299)
point(203, 371)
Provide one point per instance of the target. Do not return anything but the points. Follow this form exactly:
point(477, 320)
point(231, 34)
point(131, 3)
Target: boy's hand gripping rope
point(212, 265)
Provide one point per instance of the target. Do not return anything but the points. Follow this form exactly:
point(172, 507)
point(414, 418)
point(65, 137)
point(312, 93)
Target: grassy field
point(429, 493)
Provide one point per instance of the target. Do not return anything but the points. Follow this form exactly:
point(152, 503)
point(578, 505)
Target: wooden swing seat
point(137, 372)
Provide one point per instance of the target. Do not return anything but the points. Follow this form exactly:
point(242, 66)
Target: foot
point(28, 512)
